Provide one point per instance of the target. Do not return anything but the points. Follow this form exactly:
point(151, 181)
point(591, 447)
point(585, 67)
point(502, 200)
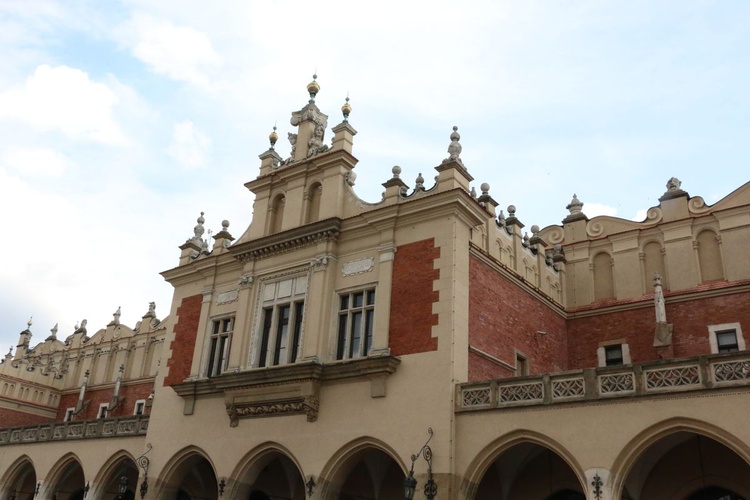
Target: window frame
point(715, 330)
point(280, 321)
point(103, 411)
point(69, 412)
point(357, 330)
point(142, 404)
point(218, 344)
point(601, 352)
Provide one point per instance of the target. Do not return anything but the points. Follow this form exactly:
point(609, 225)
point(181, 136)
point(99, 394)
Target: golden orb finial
point(313, 88)
point(346, 109)
point(273, 137)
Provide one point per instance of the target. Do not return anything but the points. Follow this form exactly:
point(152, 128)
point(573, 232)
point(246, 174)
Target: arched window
point(604, 287)
point(709, 256)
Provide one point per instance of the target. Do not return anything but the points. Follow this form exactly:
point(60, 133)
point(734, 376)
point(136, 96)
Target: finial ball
point(225, 223)
point(485, 188)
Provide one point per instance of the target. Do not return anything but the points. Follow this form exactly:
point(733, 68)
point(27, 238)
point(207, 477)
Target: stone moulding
point(84, 429)
point(293, 239)
point(285, 390)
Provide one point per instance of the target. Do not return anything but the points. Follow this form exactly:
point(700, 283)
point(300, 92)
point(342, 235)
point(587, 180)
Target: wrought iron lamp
point(122, 486)
point(410, 483)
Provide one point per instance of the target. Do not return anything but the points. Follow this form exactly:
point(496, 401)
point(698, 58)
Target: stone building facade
point(314, 355)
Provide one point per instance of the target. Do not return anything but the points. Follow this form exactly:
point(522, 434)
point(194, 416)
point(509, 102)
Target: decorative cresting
point(645, 379)
point(410, 483)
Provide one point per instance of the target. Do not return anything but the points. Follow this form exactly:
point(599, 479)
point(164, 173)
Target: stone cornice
point(285, 241)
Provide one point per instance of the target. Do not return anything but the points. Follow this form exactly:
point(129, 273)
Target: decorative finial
point(30, 322)
point(53, 333)
point(198, 230)
point(273, 137)
point(454, 149)
point(511, 210)
point(224, 225)
point(473, 192)
point(419, 183)
point(396, 171)
point(485, 188)
point(313, 88)
point(575, 205)
point(116, 315)
point(346, 109)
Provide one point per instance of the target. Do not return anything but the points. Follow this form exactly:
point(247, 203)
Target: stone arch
point(673, 432)
point(534, 444)
point(189, 473)
point(351, 459)
point(276, 213)
point(313, 196)
point(709, 255)
point(106, 482)
point(19, 481)
point(604, 282)
point(66, 480)
point(652, 252)
point(267, 471)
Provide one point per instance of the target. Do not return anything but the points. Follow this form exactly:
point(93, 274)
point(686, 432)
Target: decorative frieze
point(227, 297)
point(360, 266)
point(87, 429)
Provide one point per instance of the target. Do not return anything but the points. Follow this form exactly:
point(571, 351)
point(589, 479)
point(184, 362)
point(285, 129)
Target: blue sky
point(121, 121)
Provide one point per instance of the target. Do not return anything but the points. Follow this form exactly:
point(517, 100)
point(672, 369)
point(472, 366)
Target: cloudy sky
point(121, 121)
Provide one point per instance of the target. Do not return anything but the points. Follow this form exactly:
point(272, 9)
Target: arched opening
point(20, 482)
point(709, 256)
point(191, 478)
point(270, 474)
point(277, 213)
point(653, 262)
point(368, 473)
point(604, 285)
point(68, 483)
point(688, 465)
point(121, 472)
point(529, 470)
point(314, 195)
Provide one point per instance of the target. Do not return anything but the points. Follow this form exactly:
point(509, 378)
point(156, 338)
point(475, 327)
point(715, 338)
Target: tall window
point(356, 316)
point(613, 355)
point(219, 350)
point(282, 318)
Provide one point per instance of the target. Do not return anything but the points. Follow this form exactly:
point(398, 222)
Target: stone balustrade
point(702, 373)
point(85, 429)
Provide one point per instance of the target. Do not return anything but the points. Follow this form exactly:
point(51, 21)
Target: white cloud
point(179, 52)
point(37, 162)
point(640, 215)
point(189, 145)
point(64, 99)
point(596, 209)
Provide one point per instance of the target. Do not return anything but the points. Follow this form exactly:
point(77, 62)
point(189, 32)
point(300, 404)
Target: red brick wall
point(504, 317)
point(412, 297)
point(130, 393)
point(690, 320)
point(183, 345)
point(15, 418)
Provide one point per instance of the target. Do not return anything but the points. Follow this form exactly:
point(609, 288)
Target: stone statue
point(661, 313)
point(82, 328)
point(673, 184)
point(152, 308)
point(315, 144)
point(293, 141)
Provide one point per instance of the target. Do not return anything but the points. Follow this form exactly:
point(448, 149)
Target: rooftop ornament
point(273, 137)
point(346, 109)
point(575, 205)
point(454, 149)
point(313, 88)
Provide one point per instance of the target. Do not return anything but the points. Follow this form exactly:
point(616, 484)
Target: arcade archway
point(269, 473)
point(67, 480)
point(190, 476)
point(19, 482)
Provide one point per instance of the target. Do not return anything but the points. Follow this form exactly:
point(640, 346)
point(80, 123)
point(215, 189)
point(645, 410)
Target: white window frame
point(218, 345)
point(601, 352)
point(142, 403)
point(522, 366)
point(714, 329)
point(69, 415)
point(278, 339)
point(357, 321)
point(105, 407)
